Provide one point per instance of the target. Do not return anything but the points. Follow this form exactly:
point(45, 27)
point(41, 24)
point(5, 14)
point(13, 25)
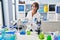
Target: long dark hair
point(36, 5)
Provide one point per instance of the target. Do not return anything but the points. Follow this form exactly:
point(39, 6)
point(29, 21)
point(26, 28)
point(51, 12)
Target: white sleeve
point(39, 18)
point(28, 16)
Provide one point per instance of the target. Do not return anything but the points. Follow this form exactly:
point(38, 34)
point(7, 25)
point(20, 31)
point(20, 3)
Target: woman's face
point(34, 7)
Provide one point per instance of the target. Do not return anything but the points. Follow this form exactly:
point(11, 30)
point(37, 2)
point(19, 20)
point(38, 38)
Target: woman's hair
point(36, 5)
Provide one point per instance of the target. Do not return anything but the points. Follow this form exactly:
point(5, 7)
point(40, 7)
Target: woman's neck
point(33, 12)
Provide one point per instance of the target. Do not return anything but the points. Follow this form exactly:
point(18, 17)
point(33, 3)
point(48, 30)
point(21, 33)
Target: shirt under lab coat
point(33, 20)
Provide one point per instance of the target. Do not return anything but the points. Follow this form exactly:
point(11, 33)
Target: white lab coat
point(31, 19)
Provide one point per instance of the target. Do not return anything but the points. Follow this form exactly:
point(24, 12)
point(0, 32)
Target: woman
point(33, 16)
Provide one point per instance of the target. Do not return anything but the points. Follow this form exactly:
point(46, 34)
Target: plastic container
point(28, 32)
point(2, 34)
point(41, 36)
point(55, 38)
point(22, 32)
point(49, 37)
point(9, 36)
point(13, 37)
point(59, 37)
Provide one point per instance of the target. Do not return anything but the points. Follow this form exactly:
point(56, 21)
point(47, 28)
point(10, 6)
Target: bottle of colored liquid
point(46, 8)
point(55, 37)
point(7, 37)
point(59, 37)
point(49, 37)
point(0, 36)
point(41, 36)
point(13, 37)
point(28, 32)
point(22, 32)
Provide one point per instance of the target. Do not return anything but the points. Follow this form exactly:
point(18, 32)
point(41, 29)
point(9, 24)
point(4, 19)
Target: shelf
point(21, 4)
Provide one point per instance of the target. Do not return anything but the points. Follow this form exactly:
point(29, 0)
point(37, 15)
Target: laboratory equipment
point(9, 36)
point(41, 9)
point(5, 28)
point(55, 38)
point(41, 36)
point(21, 8)
point(2, 34)
point(28, 32)
point(58, 9)
point(20, 24)
point(13, 37)
point(22, 32)
point(45, 8)
point(58, 37)
point(49, 37)
point(52, 7)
